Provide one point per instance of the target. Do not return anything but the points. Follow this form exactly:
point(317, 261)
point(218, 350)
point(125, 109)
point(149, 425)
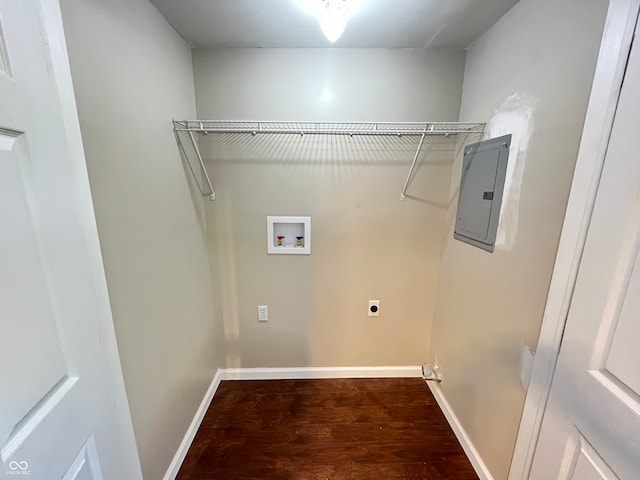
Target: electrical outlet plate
point(374, 308)
point(263, 313)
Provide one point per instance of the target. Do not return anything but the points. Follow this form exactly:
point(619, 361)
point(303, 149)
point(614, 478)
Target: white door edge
point(53, 27)
point(614, 51)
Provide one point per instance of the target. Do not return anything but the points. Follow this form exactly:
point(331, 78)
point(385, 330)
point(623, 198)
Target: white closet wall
point(132, 73)
point(367, 244)
point(530, 75)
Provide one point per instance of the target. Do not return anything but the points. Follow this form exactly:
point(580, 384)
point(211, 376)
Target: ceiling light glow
point(332, 15)
point(326, 96)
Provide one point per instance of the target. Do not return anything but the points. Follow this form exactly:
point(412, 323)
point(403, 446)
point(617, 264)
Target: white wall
point(132, 73)
point(367, 244)
point(530, 75)
point(364, 84)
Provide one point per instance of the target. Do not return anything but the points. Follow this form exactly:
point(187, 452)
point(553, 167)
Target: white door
point(591, 425)
point(63, 412)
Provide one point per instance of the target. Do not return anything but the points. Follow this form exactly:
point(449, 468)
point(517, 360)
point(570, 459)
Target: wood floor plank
point(325, 429)
point(399, 471)
point(331, 433)
point(337, 398)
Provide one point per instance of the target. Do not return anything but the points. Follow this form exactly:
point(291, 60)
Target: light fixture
point(333, 15)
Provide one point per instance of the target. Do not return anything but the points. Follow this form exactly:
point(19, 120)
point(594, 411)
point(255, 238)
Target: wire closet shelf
point(187, 132)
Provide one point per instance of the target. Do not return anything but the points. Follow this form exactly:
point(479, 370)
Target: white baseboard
point(319, 372)
point(467, 445)
point(180, 455)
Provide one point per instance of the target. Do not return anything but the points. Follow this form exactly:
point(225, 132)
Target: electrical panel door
point(484, 171)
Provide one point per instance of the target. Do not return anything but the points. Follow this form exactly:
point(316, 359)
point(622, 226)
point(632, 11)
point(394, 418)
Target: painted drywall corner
point(514, 116)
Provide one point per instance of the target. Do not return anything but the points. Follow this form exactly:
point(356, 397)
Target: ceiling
point(378, 24)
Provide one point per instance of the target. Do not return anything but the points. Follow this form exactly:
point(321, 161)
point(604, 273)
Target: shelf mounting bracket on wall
point(403, 194)
point(188, 132)
point(194, 144)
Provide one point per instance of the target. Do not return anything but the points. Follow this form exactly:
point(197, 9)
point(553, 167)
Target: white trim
point(319, 372)
point(614, 51)
point(183, 449)
point(467, 445)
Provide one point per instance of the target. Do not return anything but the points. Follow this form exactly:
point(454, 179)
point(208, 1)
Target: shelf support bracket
point(212, 194)
point(403, 195)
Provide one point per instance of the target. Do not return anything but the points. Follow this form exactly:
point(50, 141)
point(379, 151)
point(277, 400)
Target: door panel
point(57, 391)
point(24, 297)
point(623, 357)
point(5, 66)
point(86, 465)
point(585, 463)
point(596, 386)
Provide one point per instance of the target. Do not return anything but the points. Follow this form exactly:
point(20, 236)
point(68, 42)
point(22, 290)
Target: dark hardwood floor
point(382, 429)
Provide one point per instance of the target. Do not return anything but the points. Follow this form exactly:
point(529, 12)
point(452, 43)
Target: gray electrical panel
point(484, 170)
